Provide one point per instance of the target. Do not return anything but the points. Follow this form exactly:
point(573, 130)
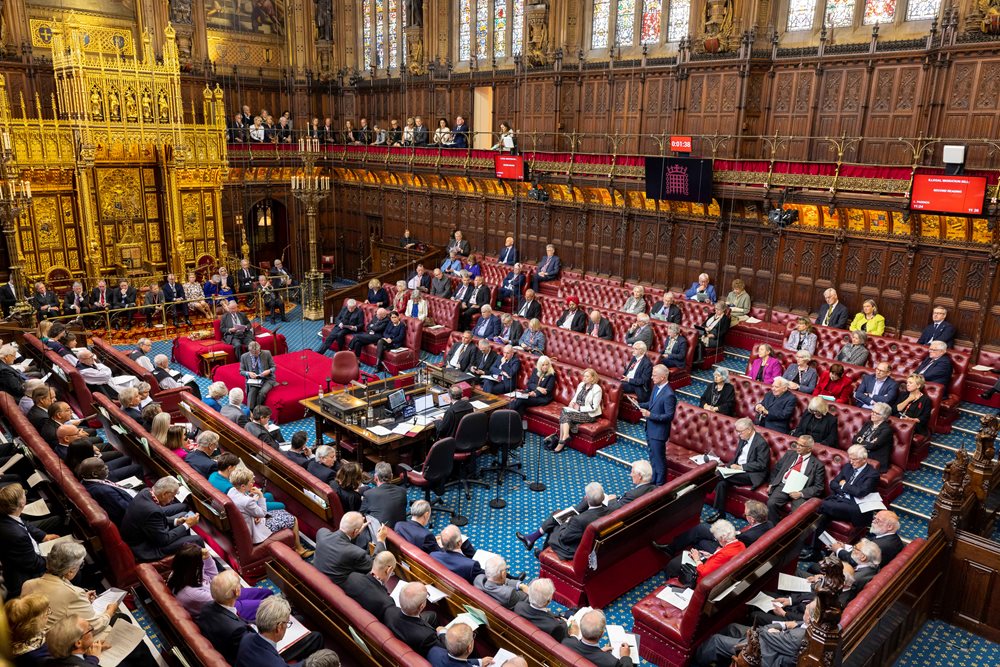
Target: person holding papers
point(261, 428)
point(564, 534)
point(701, 537)
point(350, 319)
point(236, 329)
point(21, 558)
point(482, 359)
point(776, 408)
point(749, 466)
point(409, 622)
point(540, 389)
point(798, 476)
point(260, 649)
point(587, 643)
point(368, 590)
point(701, 290)
point(336, 553)
point(884, 533)
point(385, 501)
point(585, 408)
point(536, 609)
point(170, 379)
point(780, 644)
point(637, 374)
point(705, 562)
point(503, 373)
point(850, 497)
point(834, 384)
point(510, 330)
point(659, 414)
point(153, 526)
point(868, 558)
point(459, 642)
point(453, 557)
point(261, 522)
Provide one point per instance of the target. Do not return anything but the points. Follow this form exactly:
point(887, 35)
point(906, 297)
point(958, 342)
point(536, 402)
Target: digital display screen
point(962, 195)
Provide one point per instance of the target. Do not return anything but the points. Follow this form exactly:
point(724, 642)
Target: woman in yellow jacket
point(868, 320)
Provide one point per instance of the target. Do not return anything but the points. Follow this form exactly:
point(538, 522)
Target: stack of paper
point(680, 599)
point(46, 547)
point(701, 459)
point(293, 633)
point(481, 556)
point(479, 405)
point(763, 601)
point(380, 431)
point(124, 638)
point(110, 596)
point(792, 584)
point(37, 508)
point(795, 482)
point(726, 471)
point(870, 503)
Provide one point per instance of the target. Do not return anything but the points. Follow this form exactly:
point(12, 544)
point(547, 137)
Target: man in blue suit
point(505, 368)
point(459, 642)
point(855, 480)
point(508, 255)
point(939, 329)
point(776, 408)
point(659, 414)
point(877, 388)
point(414, 530)
point(274, 616)
point(936, 367)
point(701, 290)
point(460, 134)
point(547, 269)
point(638, 372)
point(452, 556)
point(512, 287)
point(488, 325)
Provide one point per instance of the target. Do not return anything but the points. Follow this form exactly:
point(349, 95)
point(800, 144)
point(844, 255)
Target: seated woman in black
point(347, 484)
point(541, 387)
point(818, 423)
point(377, 294)
point(713, 332)
point(916, 405)
point(719, 395)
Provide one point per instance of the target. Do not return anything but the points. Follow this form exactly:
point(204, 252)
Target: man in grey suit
point(779, 646)
point(385, 501)
point(336, 553)
point(257, 366)
point(236, 329)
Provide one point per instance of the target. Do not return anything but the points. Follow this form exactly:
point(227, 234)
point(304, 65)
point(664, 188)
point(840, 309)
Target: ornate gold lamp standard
point(15, 198)
point(311, 190)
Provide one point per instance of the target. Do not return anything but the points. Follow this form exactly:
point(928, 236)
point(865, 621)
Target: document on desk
point(795, 482)
point(793, 584)
point(763, 601)
point(110, 596)
point(480, 405)
point(680, 599)
point(380, 431)
point(617, 636)
point(870, 503)
point(702, 459)
point(402, 429)
point(124, 638)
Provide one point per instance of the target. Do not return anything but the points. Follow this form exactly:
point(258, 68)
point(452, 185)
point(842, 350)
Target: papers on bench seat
point(702, 459)
point(131, 483)
point(472, 617)
point(680, 599)
point(617, 636)
point(795, 482)
point(264, 334)
point(124, 638)
point(11, 462)
point(787, 582)
point(46, 547)
point(110, 596)
point(433, 594)
point(870, 503)
point(752, 320)
point(763, 601)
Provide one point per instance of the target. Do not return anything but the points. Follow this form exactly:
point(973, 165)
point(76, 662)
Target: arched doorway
point(267, 230)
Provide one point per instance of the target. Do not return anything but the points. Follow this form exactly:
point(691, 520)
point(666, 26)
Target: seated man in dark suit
point(20, 557)
point(46, 303)
point(591, 630)
point(936, 366)
point(868, 559)
point(511, 287)
point(508, 255)
point(832, 313)
point(414, 530)
point(776, 408)
point(572, 318)
point(666, 310)
point(938, 329)
point(565, 537)
point(386, 501)
point(408, 621)
point(173, 295)
point(113, 499)
point(877, 388)
point(855, 480)
point(372, 333)
point(336, 553)
point(675, 348)
point(638, 373)
point(368, 590)
point(530, 308)
point(153, 526)
point(641, 475)
point(453, 557)
point(459, 642)
point(77, 302)
point(504, 368)
point(752, 459)
point(474, 299)
point(779, 645)
point(599, 326)
point(884, 533)
point(123, 297)
point(300, 453)
point(799, 460)
point(200, 458)
point(325, 465)
point(236, 329)
point(488, 325)
point(495, 583)
point(483, 359)
point(261, 428)
point(536, 609)
point(547, 268)
point(460, 355)
point(459, 407)
point(510, 330)
point(351, 319)
point(259, 649)
point(43, 396)
point(701, 538)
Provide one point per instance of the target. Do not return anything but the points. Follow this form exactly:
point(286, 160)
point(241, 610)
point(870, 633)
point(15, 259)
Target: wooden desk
point(210, 360)
point(364, 444)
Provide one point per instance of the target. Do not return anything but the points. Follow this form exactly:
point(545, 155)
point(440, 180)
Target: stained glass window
point(879, 11)
point(625, 29)
point(380, 33)
point(366, 8)
point(602, 15)
point(482, 26)
point(800, 14)
point(499, 29)
point(464, 30)
point(678, 20)
point(839, 13)
point(922, 10)
point(517, 28)
point(651, 13)
point(393, 33)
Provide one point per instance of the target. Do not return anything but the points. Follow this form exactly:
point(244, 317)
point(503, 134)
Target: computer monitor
point(397, 400)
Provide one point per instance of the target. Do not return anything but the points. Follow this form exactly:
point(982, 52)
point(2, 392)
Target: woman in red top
point(725, 534)
point(834, 382)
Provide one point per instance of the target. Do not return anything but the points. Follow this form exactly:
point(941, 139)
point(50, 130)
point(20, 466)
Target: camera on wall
point(779, 216)
point(537, 192)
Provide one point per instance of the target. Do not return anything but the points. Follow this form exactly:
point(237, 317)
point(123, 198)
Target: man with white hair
point(640, 331)
point(884, 533)
point(257, 366)
point(799, 459)
point(536, 609)
point(236, 328)
point(452, 556)
point(855, 481)
point(234, 410)
point(641, 475)
point(372, 333)
point(155, 527)
point(591, 630)
point(495, 582)
point(459, 642)
point(936, 366)
point(166, 377)
point(200, 458)
point(97, 375)
point(336, 553)
point(349, 320)
point(599, 326)
point(505, 369)
point(488, 325)
point(77, 302)
point(638, 373)
point(410, 623)
point(701, 290)
point(776, 408)
point(564, 537)
point(780, 644)
point(368, 590)
point(11, 379)
point(832, 313)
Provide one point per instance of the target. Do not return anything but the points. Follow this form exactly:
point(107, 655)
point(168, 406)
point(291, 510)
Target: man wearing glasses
point(274, 618)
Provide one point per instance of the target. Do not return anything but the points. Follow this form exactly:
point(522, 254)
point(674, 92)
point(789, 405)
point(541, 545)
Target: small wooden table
point(210, 360)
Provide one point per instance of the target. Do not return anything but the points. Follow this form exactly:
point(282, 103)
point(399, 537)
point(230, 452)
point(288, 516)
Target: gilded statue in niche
point(147, 105)
point(990, 12)
point(718, 28)
point(96, 103)
point(114, 105)
point(163, 106)
point(131, 109)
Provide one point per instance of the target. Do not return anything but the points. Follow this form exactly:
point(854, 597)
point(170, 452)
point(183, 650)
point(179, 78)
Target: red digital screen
point(511, 167)
point(961, 195)
point(680, 144)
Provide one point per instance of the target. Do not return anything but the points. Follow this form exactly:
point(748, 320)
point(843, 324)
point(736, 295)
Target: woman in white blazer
point(417, 307)
point(253, 506)
point(583, 409)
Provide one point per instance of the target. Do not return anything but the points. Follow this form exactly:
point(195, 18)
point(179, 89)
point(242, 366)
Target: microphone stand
point(538, 486)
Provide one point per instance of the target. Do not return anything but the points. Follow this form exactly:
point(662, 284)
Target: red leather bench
point(187, 351)
point(173, 620)
point(329, 610)
point(300, 375)
point(615, 554)
point(544, 419)
point(123, 365)
point(223, 524)
point(445, 313)
point(505, 628)
point(395, 362)
point(976, 382)
point(669, 635)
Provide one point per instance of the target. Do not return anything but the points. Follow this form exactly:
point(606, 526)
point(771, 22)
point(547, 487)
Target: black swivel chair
point(432, 475)
point(506, 433)
point(470, 441)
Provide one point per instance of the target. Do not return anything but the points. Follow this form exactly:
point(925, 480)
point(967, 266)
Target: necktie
point(593, 331)
point(854, 476)
point(797, 467)
point(256, 364)
point(801, 340)
point(102, 297)
point(826, 318)
point(545, 264)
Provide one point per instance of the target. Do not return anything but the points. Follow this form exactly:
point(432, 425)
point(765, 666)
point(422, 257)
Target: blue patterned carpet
point(568, 473)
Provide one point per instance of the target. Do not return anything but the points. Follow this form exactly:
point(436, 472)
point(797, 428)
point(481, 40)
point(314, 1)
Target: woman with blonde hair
point(916, 405)
point(218, 395)
point(253, 506)
point(195, 295)
point(377, 294)
point(585, 408)
point(159, 427)
point(739, 303)
point(533, 339)
point(869, 320)
point(401, 297)
point(541, 386)
point(28, 617)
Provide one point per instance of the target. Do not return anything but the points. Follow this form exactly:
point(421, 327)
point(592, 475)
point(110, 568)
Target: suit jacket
point(120, 300)
point(298, 457)
point(677, 356)
point(862, 576)
point(113, 499)
point(11, 381)
point(863, 394)
point(49, 299)
point(838, 318)
point(441, 287)
point(781, 649)
point(753, 533)
point(477, 297)
point(543, 619)
point(255, 651)
point(462, 247)
point(230, 320)
point(865, 483)
point(566, 538)
point(67, 599)
point(511, 334)
point(146, 529)
point(396, 333)
point(459, 563)
point(109, 300)
point(347, 318)
point(413, 631)
point(642, 378)
point(822, 429)
point(513, 283)
point(578, 318)
point(673, 314)
point(508, 255)
point(438, 656)
point(634, 493)
point(452, 416)
point(604, 329)
point(377, 326)
point(548, 264)
point(417, 535)
point(420, 135)
point(661, 407)
point(70, 301)
point(379, 297)
point(596, 655)
point(889, 544)
point(530, 309)
point(779, 411)
point(7, 298)
point(246, 279)
point(936, 370)
point(223, 629)
point(201, 462)
point(370, 593)
point(814, 470)
point(487, 327)
point(510, 367)
point(484, 361)
point(758, 460)
point(18, 558)
point(321, 472)
point(465, 359)
point(37, 416)
point(387, 503)
point(944, 331)
point(266, 364)
point(337, 556)
point(463, 292)
point(262, 434)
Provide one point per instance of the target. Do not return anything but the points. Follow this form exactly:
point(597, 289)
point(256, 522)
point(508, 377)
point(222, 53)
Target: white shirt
point(455, 360)
point(568, 323)
point(744, 455)
point(34, 544)
point(635, 366)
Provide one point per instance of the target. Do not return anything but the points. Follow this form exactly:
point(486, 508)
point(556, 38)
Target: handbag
point(688, 575)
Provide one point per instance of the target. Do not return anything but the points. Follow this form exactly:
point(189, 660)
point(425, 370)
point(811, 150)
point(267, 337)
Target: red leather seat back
point(443, 311)
point(345, 367)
